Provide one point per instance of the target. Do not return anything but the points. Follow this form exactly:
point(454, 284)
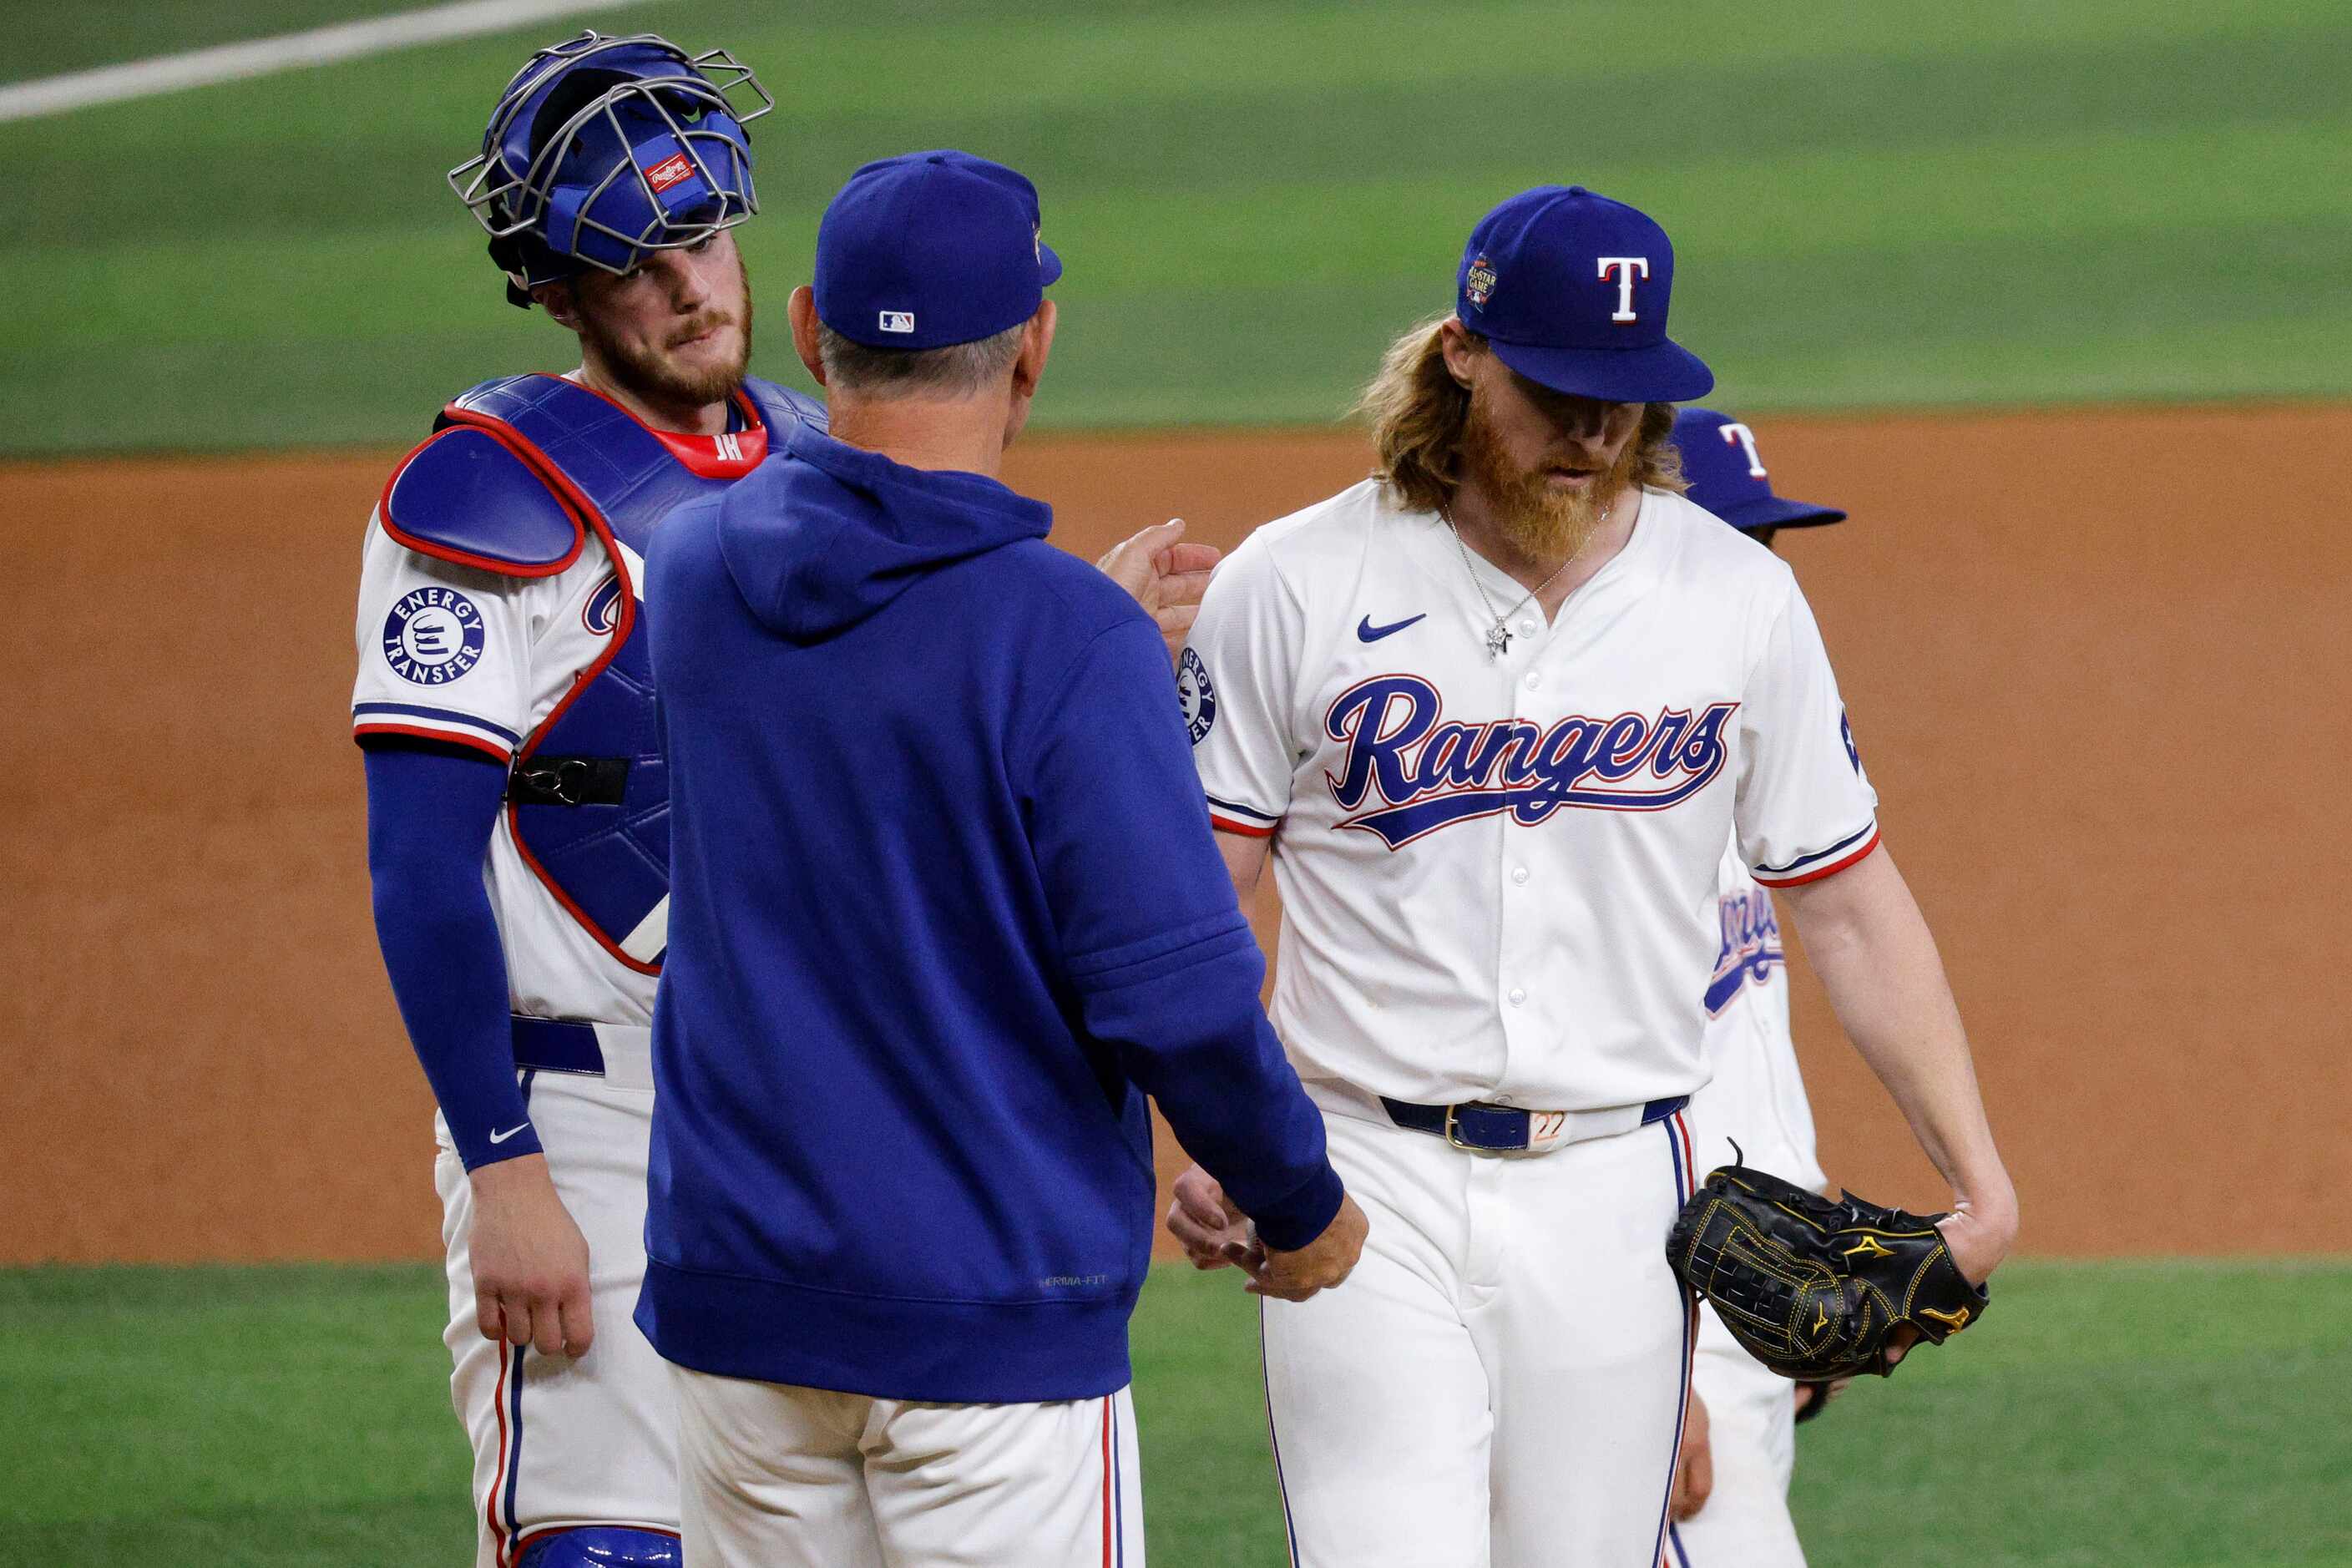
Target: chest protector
point(588, 798)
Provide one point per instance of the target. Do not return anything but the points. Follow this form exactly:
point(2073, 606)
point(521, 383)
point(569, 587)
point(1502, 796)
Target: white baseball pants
point(1751, 1434)
point(567, 1441)
point(774, 1476)
point(1500, 1382)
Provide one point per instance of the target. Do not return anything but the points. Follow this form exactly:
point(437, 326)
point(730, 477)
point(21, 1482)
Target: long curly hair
point(1417, 410)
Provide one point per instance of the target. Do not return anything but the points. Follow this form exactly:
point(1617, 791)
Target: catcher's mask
point(603, 149)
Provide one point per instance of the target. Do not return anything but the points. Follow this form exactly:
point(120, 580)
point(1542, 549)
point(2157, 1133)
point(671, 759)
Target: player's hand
point(1321, 1264)
point(1213, 1234)
point(1166, 575)
point(529, 1260)
point(1812, 1398)
point(1694, 1465)
point(1979, 1235)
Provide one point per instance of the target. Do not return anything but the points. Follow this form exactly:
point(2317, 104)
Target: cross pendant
point(1498, 641)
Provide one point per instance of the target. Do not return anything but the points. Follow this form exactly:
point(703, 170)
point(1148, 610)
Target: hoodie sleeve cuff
point(1306, 1212)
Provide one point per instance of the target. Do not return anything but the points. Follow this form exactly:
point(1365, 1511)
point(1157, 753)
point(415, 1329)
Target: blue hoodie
point(945, 908)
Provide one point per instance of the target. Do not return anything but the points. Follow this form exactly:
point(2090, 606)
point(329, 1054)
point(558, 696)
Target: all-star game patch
point(1480, 283)
point(433, 636)
point(1198, 698)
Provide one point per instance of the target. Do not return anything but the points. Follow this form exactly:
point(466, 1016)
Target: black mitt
point(1814, 1288)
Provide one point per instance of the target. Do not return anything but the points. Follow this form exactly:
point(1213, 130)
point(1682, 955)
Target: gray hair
point(958, 369)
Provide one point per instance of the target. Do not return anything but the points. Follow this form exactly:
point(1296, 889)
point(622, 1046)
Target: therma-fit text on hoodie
point(945, 905)
point(1498, 874)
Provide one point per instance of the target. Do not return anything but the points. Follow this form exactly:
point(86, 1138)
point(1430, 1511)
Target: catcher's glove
point(1815, 1288)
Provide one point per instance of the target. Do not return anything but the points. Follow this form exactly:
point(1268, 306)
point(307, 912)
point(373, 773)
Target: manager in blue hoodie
point(945, 909)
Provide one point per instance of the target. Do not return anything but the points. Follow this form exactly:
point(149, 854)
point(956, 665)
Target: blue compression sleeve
point(430, 813)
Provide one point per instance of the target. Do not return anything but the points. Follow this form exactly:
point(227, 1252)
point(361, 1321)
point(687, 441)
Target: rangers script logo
point(433, 636)
point(1427, 776)
point(1751, 949)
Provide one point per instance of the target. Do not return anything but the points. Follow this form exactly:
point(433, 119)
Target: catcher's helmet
point(602, 148)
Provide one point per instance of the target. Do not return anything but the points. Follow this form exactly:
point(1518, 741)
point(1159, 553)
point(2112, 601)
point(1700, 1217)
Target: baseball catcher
point(519, 809)
point(1814, 1289)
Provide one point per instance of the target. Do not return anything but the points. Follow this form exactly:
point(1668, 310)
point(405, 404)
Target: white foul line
point(288, 51)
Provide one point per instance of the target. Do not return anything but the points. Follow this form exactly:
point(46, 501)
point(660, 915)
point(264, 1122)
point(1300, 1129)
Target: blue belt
point(557, 1045)
point(1493, 1129)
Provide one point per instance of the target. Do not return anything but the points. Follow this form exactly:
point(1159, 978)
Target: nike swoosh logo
point(1367, 632)
point(503, 1137)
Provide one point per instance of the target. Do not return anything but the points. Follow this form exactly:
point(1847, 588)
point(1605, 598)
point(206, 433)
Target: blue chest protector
point(520, 471)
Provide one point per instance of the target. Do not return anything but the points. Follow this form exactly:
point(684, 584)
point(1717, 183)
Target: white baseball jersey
point(1498, 875)
point(1755, 1092)
point(450, 653)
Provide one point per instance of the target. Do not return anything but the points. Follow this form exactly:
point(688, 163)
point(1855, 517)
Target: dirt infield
point(2098, 678)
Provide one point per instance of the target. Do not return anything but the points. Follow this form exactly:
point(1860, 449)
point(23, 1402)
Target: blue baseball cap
point(1571, 288)
point(931, 249)
point(1727, 478)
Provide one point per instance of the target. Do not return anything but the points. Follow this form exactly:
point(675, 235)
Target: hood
point(823, 534)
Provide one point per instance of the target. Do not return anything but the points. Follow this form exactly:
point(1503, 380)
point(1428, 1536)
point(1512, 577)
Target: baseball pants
point(774, 1476)
point(562, 1441)
point(1751, 1435)
point(1501, 1380)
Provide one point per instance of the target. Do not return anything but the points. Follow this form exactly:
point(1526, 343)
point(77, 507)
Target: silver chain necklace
point(1498, 636)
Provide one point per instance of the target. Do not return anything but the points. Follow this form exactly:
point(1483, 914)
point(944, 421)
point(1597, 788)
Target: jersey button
point(1535, 679)
point(1518, 997)
point(1527, 629)
point(1519, 874)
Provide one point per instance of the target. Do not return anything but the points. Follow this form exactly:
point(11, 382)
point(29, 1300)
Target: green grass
point(2175, 1415)
point(45, 41)
point(1870, 203)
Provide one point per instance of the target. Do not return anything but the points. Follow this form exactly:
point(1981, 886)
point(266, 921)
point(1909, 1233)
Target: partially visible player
point(517, 805)
point(1731, 1499)
point(1492, 716)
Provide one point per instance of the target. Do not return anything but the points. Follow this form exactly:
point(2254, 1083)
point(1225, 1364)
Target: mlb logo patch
point(898, 321)
point(677, 167)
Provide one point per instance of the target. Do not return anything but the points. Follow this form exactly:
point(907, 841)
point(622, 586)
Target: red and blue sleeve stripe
point(423, 723)
point(1232, 817)
point(1823, 863)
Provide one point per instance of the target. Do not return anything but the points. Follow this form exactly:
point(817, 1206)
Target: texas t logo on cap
point(1727, 478)
point(1625, 269)
point(1586, 311)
